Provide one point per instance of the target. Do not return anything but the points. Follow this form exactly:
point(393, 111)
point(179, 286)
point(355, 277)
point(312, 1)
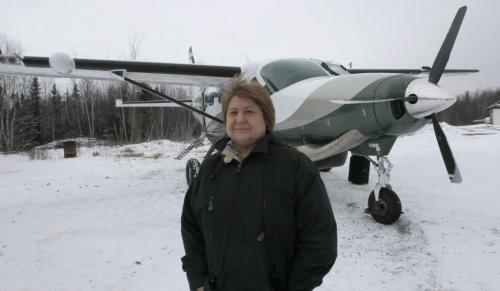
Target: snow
point(112, 221)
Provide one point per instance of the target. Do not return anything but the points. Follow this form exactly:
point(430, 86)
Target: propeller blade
point(445, 50)
point(444, 147)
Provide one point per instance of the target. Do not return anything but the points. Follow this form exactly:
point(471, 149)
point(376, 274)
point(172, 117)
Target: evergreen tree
point(56, 110)
point(75, 112)
point(28, 124)
point(25, 128)
point(35, 110)
point(470, 107)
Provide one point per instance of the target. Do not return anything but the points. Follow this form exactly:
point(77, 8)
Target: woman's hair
point(253, 91)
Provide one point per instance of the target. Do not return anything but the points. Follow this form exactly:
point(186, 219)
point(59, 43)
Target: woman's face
point(245, 123)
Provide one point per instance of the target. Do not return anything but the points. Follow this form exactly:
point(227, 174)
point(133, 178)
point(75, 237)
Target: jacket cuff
point(196, 281)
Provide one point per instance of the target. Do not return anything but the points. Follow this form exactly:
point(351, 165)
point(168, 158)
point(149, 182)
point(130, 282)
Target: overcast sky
point(370, 34)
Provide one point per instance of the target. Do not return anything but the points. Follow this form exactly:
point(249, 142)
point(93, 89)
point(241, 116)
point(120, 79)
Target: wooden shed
point(69, 149)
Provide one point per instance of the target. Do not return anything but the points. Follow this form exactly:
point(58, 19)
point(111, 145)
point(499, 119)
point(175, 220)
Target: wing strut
point(121, 75)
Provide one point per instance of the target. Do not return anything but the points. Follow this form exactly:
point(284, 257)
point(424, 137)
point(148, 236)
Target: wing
point(66, 67)
point(60, 65)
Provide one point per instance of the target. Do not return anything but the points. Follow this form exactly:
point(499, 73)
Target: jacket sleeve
point(194, 263)
point(316, 247)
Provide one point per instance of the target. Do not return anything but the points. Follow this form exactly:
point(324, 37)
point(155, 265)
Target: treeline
point(470, 107)
point(32, 114)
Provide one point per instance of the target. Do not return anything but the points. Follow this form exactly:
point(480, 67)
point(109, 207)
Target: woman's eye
point(233, 113)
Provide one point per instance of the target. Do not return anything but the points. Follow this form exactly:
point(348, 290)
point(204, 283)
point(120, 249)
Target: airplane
point(322, 108)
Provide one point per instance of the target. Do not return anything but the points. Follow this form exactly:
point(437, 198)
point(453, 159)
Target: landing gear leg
point(383, 204)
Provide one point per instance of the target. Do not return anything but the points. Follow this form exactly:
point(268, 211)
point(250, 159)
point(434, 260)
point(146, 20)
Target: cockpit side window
point(211, 95)
point(283, 73)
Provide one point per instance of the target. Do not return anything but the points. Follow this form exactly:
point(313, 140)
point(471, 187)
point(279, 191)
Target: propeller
point(434, 76)
point(446, 153)
point(434, 97)
point(444, 52)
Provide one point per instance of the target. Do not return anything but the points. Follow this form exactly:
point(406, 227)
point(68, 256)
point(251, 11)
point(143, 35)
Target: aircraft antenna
point(191, 56)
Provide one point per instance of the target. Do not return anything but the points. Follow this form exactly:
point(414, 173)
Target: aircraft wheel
point(192, 169)
point(387, 209)
point(359, 170)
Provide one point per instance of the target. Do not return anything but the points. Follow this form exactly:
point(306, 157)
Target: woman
point(258, 216)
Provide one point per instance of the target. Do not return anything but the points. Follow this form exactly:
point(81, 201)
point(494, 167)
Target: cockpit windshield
point(332, 68)
point(283, 73)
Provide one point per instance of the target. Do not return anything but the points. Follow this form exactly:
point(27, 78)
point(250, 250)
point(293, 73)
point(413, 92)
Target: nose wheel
point(384, 204)
point(385, 210)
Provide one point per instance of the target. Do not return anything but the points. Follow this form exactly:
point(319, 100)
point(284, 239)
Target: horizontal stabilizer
point(149, 103)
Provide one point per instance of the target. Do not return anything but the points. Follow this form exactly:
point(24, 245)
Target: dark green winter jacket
point(264, 224)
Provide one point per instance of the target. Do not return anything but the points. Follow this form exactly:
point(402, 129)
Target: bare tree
point(9, 88)
point(134, 43)
point(88, 92)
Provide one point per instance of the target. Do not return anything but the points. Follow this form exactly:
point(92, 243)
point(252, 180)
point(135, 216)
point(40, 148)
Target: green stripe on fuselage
point(366, 118)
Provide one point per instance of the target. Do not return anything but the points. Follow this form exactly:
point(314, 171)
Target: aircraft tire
point(192, 169)
point(359, 170)
point(388, 209)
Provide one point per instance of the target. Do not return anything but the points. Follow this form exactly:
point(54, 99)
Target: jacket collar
point(262, 145)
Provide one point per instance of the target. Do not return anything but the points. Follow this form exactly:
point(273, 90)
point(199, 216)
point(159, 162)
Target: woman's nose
point(240, 117)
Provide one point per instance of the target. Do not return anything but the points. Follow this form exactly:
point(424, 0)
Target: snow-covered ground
point(112, 221)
